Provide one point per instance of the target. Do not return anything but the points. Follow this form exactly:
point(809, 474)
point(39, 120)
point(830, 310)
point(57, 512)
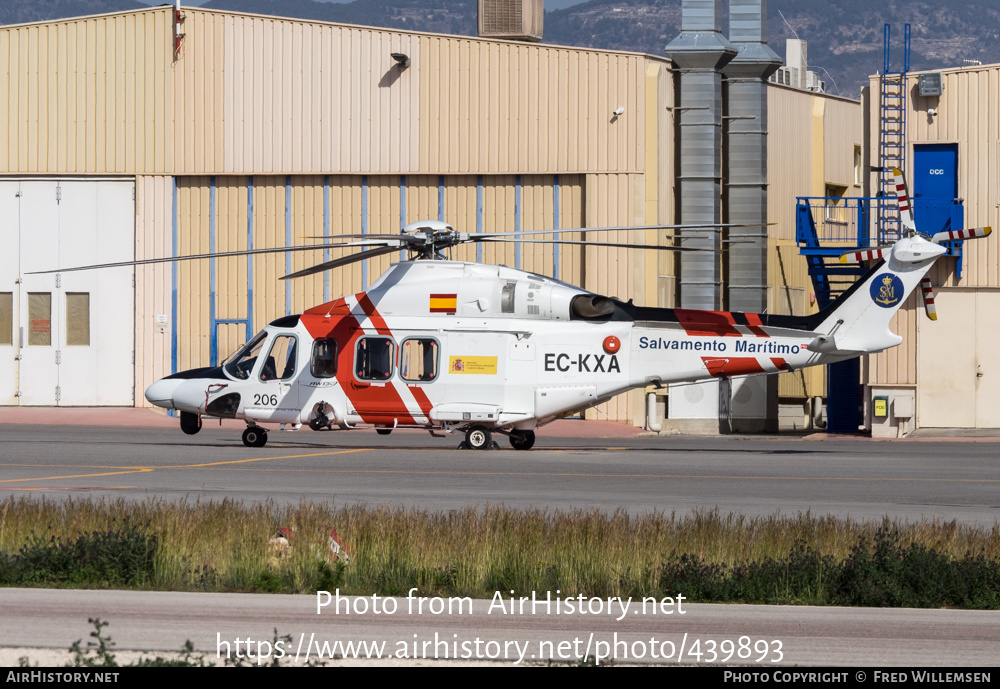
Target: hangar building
point(119, 140)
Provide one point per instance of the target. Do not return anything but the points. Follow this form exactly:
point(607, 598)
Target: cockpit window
point(280, 361)
point(240, 364)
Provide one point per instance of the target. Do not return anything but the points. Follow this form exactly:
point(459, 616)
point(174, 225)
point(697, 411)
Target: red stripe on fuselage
point(379, 404)
point(383, 329)
point(755, 325)
point(740, 366)
point(717, 323)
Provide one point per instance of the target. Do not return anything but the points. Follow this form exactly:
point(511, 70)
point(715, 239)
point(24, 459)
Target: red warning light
point(612, 344)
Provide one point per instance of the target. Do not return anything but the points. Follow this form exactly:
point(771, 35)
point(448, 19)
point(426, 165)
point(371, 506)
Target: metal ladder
point(892, 136)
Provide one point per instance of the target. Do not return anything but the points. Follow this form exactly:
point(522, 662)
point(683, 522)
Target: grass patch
point(707, 556)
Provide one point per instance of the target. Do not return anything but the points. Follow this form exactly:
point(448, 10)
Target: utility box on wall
point(515, 19)
point(891, 412)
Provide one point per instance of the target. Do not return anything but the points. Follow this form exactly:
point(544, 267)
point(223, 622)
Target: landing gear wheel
point(317, 424)
point(478, 438)
point(254, 436)
point(522, 440)
point(190, 422)
point(383, 431)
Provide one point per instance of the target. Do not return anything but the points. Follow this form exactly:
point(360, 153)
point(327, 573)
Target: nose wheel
point(255, 436)
point(190, 422)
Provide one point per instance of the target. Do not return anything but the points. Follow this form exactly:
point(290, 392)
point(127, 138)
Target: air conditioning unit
point(514, 19)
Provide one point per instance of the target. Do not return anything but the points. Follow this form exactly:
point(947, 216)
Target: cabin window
point(280, 362)
point(418, 359)
point(374, 358)
point(507, 297)
point(324, 359)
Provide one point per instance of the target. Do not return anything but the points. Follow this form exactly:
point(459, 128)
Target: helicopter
point(485, 350)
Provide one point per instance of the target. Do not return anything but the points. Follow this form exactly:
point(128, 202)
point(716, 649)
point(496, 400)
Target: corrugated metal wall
point(271, 95)
point(153, 317)
point(966, 114)
point(88, 95)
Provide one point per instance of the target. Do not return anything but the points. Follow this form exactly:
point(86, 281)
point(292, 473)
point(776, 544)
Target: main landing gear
point(254, 436)
point(478, 438)
point(481, 438)
point(522, 440)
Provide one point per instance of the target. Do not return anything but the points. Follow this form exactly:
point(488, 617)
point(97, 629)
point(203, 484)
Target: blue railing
point(820, 220)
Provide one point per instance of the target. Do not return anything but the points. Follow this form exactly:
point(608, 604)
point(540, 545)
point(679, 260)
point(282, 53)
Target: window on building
point(836, 211)
point(6, 318)
point(857, 166)
point(77, 318)
point(39, 319)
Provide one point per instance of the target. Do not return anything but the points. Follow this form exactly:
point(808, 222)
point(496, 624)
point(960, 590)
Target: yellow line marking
point(262, 459)
point(661, 476)
point(139, 470)
point(411, 472)
point(30, 490)
point(148, 470)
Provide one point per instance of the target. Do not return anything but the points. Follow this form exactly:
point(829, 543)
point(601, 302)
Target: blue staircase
point(844, 226)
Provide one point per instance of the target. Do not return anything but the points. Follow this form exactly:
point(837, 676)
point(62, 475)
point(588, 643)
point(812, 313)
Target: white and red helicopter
point(480, 349)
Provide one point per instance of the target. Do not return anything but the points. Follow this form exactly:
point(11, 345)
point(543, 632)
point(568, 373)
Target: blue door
point(935, 187)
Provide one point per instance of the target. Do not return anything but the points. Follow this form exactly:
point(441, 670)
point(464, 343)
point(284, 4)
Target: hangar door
point(958, 372)
point(66, 338)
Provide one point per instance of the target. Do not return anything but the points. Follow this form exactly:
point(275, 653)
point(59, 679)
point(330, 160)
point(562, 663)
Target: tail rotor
point(906, 219)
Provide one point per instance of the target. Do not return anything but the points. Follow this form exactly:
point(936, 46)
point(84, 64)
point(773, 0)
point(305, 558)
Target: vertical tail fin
point(859, 322)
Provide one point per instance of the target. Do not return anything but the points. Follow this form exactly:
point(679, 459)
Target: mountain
point(844, 37)
point(13, 12)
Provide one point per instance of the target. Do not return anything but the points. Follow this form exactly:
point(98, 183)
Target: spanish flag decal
point(444, 303)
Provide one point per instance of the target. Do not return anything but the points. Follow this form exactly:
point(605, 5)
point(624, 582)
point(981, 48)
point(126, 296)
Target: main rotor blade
point(657, 247)
point(192, 257)
point(343, 261)
point(526, 233)
point(407, 238)
point(630, 228)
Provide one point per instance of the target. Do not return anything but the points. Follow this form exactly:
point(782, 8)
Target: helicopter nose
point(161, 393)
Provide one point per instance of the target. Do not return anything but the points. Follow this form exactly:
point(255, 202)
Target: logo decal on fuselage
point(886, 290)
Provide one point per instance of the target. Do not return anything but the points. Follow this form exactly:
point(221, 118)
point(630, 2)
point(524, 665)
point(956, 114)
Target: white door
point(73, 332)
point(958, 376)
point(10, 332)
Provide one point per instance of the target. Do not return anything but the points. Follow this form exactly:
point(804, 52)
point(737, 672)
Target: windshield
point(240, 364)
